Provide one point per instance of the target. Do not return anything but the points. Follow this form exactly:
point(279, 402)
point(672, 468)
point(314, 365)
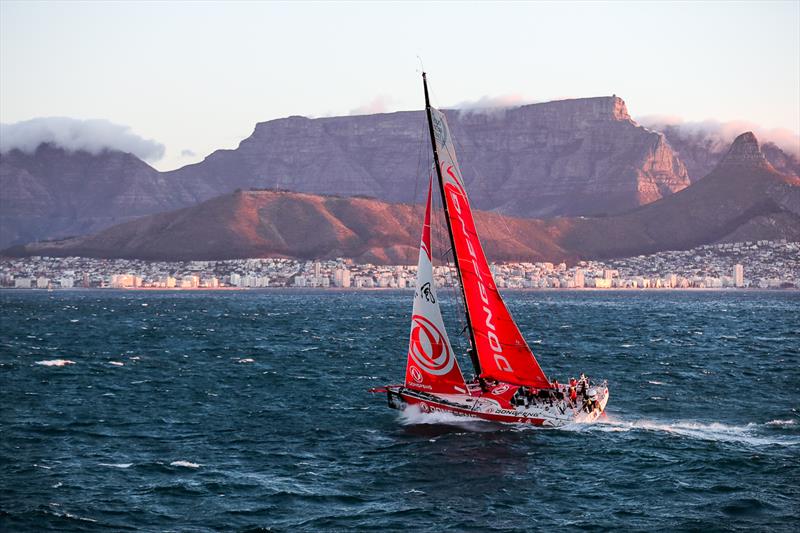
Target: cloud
point(492, 104)
point(380, 104)
point(93, 136)
point(188, 153)
point(719, 135)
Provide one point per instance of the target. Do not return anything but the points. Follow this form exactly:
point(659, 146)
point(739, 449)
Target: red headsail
point(503, 353)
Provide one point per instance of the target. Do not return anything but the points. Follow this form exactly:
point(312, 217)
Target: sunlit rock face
point(572, 157)
point(582, 156)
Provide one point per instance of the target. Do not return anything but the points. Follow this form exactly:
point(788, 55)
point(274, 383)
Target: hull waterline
point(496, 407)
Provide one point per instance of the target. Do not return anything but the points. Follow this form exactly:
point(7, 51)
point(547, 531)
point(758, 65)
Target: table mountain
point(581, 156)
point(744, 198)
point(571, 157)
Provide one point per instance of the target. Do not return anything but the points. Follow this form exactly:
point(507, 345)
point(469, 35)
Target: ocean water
point(249, 411)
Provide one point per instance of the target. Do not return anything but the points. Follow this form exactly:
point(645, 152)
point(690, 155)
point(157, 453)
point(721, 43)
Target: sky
point(193, 77)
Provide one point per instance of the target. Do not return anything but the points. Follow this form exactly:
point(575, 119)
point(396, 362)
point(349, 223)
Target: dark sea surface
point(209, 411)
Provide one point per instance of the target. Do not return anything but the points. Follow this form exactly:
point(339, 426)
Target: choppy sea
point(249, 411)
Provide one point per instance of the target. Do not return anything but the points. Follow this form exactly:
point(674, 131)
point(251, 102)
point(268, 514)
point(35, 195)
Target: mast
point(473, 354)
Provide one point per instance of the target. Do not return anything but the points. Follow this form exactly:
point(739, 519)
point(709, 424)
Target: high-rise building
point(341, 278)
point(738, 275)
point(579, 278)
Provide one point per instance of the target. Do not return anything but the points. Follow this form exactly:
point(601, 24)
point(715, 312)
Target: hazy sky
point(198, 76)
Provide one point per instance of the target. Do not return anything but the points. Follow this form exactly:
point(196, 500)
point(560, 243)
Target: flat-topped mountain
point(744, 198)
point(571, 157)
point(568, 157)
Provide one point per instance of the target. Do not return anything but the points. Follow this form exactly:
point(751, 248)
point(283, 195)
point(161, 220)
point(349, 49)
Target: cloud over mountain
point(379, 104)
point(93, 136)
point(719, 135)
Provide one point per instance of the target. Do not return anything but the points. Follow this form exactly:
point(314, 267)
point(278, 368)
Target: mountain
point(286, 224)
point(743, 198)
point(571, 157)
point(701, 152)
point(580, 156)
point(54, 193)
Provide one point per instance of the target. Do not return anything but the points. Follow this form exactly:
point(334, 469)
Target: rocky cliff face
point(578, 156)
point(572, 157)
point(744, 198)
point(701, 153)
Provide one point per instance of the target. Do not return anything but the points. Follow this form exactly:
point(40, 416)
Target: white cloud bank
point(719, 135)
point(93, 136)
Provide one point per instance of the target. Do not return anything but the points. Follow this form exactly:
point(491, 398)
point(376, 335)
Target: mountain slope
point(577, 156)
point(741, 195)
point(266, 223)
point(744, 198)
point(571, 157)
point(54, 193)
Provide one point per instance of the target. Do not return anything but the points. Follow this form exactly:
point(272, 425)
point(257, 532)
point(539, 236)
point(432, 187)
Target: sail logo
point(426, 292)
point(439, 127)
point(429, 348)
point(416, 374)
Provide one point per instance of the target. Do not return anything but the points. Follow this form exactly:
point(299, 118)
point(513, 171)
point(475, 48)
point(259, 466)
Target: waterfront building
point(341, 278)
point(738, 275)
point(579, 279)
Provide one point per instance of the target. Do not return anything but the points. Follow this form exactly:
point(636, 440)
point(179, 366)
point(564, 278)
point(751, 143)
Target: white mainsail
point(432, 365)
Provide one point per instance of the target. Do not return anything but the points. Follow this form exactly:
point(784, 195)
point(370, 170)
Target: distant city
point(752, 264)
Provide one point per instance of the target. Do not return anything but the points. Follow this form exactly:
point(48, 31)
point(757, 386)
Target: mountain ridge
point(744, 198)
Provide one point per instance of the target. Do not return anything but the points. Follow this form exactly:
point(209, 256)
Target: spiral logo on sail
point(429, 349)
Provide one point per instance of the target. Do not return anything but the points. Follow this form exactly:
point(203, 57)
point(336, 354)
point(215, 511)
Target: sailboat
point(508, 386)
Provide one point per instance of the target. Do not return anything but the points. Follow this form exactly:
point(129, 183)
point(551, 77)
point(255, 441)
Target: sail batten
point(502, 352)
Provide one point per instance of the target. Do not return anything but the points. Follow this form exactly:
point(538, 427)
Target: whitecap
point(116, 363)
point(781, 422)
point(246, 360)
point(116, 465)
point(655, 382)
point(185, 464)
point(56, 362)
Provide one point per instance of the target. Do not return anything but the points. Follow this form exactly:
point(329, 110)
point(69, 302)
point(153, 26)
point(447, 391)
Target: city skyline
point(770, 264)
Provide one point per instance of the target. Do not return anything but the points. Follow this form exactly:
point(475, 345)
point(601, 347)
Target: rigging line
point(420, 148)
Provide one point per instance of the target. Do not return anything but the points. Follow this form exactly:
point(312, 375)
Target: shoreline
point(395, 289)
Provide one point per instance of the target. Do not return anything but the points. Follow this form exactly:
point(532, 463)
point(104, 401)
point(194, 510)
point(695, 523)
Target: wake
point(412, 416)
point(748, 434)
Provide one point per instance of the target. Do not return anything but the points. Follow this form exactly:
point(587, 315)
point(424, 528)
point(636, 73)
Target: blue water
point(247, 410)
